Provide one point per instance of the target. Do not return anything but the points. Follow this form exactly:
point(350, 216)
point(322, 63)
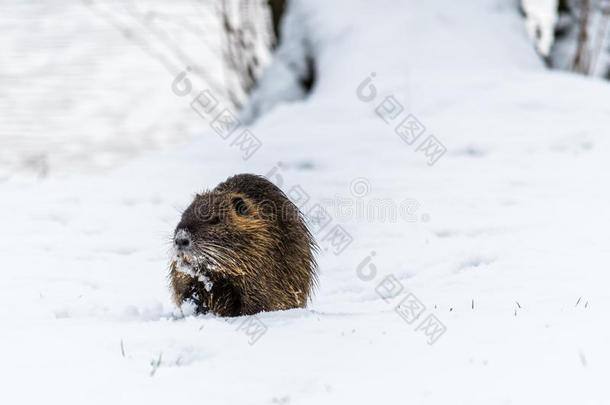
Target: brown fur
point(249, 246)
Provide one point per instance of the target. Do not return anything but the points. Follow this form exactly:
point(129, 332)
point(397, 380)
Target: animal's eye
point(214, 221)
point(240, 206)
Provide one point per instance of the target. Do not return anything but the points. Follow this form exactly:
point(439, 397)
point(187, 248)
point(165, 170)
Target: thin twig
point(156, 364)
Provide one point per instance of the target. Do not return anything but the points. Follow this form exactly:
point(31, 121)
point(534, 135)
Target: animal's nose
point(182, 240)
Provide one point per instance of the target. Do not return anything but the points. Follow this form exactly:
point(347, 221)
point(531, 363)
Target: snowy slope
point(506, 243)
point(80, 80)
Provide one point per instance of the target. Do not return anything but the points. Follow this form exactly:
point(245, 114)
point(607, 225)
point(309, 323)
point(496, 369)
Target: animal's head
point(226, 231)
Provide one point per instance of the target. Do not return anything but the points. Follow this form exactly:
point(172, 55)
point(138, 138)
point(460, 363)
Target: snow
point(508, 249)
point(541, 17)
point(184, 264)
point(81, 80)
point(281, 82)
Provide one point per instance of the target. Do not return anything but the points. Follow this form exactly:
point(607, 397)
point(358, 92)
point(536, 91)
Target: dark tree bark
point(277, 11)
point(582, 57)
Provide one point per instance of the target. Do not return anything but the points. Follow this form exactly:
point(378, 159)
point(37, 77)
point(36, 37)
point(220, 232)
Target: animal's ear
point(240, 206)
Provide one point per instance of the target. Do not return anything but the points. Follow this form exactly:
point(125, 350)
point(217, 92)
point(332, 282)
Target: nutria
point(243, 248)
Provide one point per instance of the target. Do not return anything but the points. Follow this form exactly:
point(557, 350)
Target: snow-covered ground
point(505, 242)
